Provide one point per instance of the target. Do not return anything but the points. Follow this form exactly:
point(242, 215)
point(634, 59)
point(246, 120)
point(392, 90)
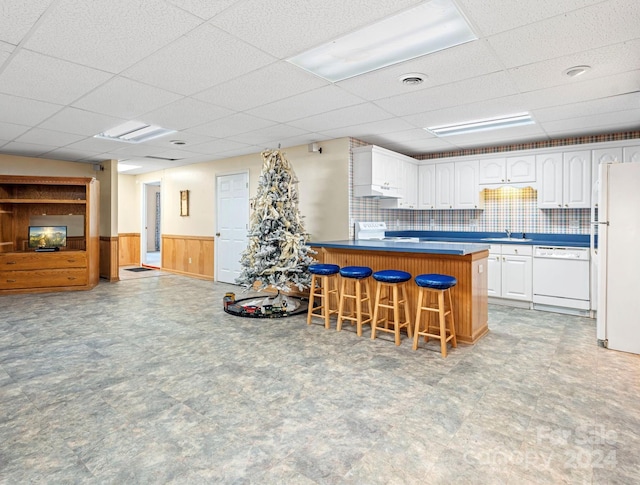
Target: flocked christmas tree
point(277, 253)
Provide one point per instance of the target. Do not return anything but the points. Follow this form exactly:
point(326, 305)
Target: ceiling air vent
point(163, 158)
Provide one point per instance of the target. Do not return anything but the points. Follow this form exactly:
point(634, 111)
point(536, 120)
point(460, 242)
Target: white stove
point(376, 231)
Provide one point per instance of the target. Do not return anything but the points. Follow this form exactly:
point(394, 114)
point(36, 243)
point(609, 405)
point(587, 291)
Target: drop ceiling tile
point(67, 154)
point(48, 137)
point(185, 113)
point(109, 35)
point(464, 61)
point(260, 23)
point(35, 76)
point(10, 131)
point(515, 13)
point(306, 104)
point(373, 128)
point(498, 137)
point(602, 24)
point(232, 125)
point(124, 98)
point(26, 149)
point(96, 145)
point(343, 117)
point(177, 153)
point(23, 16)
point(80, 122)
point(215, 146)
point(189, 138)
point(204, 10)
point(463, 92)
point(5, 52)
point(270, 136)
point(629, 118)
point(270, 83)
point(583, 91)
point(129, 150)
point(25, 111)
point(605, 61)
point(199, 60)
point(589, 108)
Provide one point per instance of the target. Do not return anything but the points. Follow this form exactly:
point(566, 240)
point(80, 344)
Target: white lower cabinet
point(509, 272)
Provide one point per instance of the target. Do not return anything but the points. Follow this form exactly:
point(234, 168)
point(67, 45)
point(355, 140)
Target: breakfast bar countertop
point(426, 247)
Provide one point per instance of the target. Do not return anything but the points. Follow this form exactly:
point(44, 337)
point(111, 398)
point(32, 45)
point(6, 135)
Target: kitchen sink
point(506, 239)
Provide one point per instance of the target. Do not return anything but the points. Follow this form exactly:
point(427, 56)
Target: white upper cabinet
point(521, 169)
point(631, 154)
point(408, 190)
point(549, 168)
point(492, 170)
point(577, 179)
point(466, 190)
point(445, 185)
point(506, 170)
point(450, 185)
point(375, 172)
point(564, 180)
point(427, 186)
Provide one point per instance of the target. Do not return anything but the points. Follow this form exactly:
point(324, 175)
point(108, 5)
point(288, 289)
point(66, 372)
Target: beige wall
point(323, 187)
point(14, 165)
point(128, 204)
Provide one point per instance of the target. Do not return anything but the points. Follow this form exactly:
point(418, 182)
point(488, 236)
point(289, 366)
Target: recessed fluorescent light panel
point(429, 27)
point(510, 121)
point(134, 132)
point(125, 167)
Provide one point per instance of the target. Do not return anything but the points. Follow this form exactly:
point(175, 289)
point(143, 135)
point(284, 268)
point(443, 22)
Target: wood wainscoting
point(188, 255)
point(109, 264)
point(129, 249)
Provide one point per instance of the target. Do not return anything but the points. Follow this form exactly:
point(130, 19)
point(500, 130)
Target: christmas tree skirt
point(277, 306)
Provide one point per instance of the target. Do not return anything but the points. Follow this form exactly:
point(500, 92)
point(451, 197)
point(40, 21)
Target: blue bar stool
point(392, 282)
point(324, 285)
point(438, 284)
point(359, 275)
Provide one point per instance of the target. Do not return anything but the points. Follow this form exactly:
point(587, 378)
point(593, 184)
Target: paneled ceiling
point(216, 72)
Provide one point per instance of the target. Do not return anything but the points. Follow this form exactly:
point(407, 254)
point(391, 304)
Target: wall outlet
point(480, 268)
point(473, 222)
point(574, 224)
point(189, 260)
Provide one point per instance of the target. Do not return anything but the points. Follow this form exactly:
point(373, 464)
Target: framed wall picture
point(184, 202)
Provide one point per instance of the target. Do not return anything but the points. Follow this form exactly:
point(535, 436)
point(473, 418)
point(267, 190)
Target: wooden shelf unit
point(76, 267)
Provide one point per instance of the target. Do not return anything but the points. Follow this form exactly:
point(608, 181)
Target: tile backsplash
point(506, 208)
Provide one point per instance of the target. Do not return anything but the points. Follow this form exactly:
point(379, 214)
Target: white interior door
point(232, 202)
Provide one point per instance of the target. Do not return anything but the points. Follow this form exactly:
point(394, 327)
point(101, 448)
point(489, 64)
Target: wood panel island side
point(466, 262)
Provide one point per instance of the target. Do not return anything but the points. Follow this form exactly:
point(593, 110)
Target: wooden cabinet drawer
point(37, 261)
point(45, 278)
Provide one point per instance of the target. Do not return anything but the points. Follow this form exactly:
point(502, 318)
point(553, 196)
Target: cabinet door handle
point(559, 205)
point(71, 260)
point(11, 281)
point(11, 262)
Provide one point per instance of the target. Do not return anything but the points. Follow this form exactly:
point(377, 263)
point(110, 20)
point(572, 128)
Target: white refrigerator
point(618, 317)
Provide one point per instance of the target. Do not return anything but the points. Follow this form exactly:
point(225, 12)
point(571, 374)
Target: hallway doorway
point(151, 235)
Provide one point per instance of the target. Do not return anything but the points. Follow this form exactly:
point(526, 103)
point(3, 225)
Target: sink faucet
point(508, 233)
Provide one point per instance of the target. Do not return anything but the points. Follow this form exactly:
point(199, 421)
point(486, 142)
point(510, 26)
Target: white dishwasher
point(561, 277)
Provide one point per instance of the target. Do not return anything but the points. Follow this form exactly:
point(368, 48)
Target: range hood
point(376, 191)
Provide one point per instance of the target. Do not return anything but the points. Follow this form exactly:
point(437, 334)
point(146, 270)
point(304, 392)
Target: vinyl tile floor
point(149, 381)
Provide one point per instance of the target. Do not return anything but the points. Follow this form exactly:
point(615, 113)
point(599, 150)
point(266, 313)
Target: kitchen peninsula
point(467, 262)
